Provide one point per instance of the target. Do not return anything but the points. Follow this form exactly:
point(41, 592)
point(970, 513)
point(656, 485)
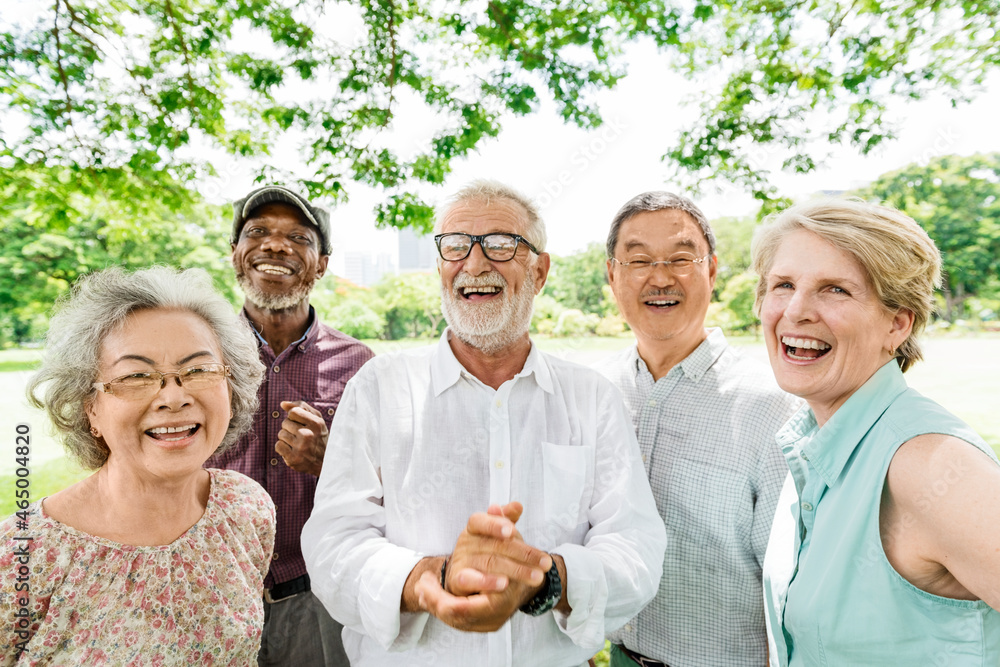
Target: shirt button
point(274, 462)
point(628, 628)
point(651, 403)
point(275, 414)
point(302, 348)
point(499, 464)
point(643, 458)
point(807, 507)
point(804, 457)
point(499, 403)
point(330, 411)
point(274, 556)
point(276, 369)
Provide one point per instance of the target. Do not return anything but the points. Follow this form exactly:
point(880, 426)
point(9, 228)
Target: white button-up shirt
point(418, 445)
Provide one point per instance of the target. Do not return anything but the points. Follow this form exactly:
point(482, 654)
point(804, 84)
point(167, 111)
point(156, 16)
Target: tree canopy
point(58, 223)
point(956, 200)
point(167, 91)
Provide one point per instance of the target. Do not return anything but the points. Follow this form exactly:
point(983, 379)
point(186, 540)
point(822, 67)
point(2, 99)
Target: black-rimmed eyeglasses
point(498, 247)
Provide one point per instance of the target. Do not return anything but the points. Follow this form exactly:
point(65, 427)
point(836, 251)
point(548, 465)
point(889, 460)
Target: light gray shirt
point(706, 433)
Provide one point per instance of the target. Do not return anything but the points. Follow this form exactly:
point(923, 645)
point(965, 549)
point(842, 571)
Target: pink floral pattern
point(94, 602)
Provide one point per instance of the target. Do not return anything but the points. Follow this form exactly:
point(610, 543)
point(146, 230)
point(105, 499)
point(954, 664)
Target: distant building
point(361, 269)
point(416, 252)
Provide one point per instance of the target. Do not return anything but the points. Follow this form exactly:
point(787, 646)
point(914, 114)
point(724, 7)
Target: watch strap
point(548, 597)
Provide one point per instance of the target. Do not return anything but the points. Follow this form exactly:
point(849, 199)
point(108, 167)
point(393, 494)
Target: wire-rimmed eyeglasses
point(641, 266)
point(146, 383)
point(498, 246)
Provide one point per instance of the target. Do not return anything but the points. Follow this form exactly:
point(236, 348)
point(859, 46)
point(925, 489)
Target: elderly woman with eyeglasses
point(152, 559)
point(885, 544)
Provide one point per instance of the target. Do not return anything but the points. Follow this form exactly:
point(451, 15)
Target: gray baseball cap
point(317, 215)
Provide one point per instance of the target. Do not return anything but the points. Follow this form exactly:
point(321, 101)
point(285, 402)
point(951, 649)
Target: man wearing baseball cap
point(281, 246)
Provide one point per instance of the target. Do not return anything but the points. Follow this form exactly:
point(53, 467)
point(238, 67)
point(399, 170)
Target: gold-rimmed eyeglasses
point(641, 266)
point(146, 383)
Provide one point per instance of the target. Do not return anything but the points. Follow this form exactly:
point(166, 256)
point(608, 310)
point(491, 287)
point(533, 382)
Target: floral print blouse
point(92, 601)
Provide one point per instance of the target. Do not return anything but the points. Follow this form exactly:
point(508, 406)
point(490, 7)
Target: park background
point(127, 126)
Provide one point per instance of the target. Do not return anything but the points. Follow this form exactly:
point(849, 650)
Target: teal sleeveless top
point(831, 596)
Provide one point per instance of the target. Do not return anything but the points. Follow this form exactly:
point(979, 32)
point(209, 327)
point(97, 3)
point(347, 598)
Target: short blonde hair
point(901, 262)
point(486, 190)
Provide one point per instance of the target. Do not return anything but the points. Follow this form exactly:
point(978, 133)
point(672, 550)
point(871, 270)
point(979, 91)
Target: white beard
point(495, 325)
point(267, 301)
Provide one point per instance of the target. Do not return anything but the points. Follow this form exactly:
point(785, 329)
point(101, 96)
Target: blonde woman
point(885, 547)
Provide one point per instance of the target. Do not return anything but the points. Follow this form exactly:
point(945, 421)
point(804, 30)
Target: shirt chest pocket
point(326, 407)
point(568, 484)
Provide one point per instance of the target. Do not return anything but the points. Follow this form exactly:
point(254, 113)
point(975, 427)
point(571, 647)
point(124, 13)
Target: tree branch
point(184, 51)
point(392, 63)
point(74, 20)
point(59, 64)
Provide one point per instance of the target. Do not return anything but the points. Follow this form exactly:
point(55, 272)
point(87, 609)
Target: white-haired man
point(488, 505)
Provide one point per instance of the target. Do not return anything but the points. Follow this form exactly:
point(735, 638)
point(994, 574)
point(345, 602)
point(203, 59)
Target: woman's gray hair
point(488, 190)
point(900, 260)
point(100, 304)
point(658, 200)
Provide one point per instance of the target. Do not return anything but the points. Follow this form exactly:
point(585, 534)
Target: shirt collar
point(832, 445)
point(446, 369)
point(696, 364)
point(307, 339)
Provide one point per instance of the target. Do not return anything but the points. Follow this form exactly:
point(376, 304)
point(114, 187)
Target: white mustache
point(491, 279)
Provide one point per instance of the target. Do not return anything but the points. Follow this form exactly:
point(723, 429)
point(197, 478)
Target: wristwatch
point(548, 597)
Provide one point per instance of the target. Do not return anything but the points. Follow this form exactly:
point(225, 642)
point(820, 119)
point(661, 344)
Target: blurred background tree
point(957, 201)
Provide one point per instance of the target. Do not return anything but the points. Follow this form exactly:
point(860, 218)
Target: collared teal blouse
point(831, 596)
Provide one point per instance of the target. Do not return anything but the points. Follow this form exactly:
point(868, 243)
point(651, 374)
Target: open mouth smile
point(273, 269)
point(173, 433)
point(479, 292)
point(662, 303)
point(804, 349)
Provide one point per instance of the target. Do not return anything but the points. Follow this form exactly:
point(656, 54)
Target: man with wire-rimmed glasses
point(488, 505)
point(706, 418)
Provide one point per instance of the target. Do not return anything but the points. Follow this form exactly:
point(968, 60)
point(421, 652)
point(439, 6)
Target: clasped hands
point(490, 574)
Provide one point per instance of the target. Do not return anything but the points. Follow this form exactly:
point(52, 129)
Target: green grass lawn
point(19, 360)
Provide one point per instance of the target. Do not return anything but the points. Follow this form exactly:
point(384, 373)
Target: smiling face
point(665, 311)
point(277, 258)
point(826, 331)
point(488, 304)
point(173, 431)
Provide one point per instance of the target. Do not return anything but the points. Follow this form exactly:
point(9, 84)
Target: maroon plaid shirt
point(313, 369)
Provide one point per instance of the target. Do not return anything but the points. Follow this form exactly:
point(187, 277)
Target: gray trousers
point(298, 632)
